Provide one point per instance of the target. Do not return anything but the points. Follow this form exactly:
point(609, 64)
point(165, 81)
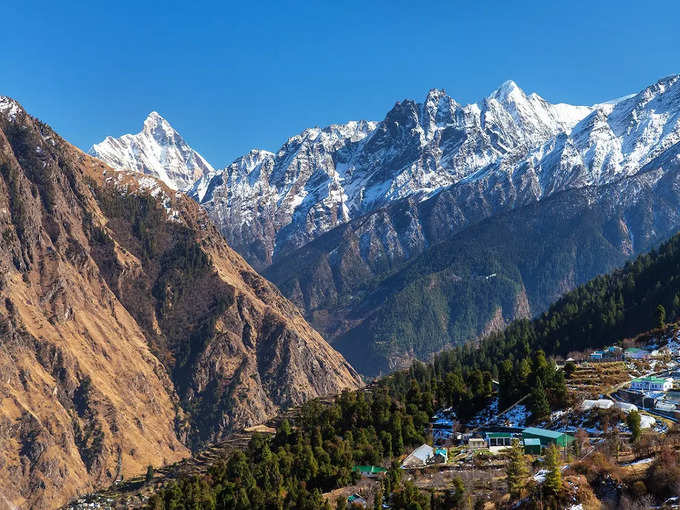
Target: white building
point(652, 384)
point(419, 457)
point(603, 403)
point(626, 407)
point(664, 406)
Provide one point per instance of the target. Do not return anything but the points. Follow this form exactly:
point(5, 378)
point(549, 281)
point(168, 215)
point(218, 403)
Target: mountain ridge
point(131, 331)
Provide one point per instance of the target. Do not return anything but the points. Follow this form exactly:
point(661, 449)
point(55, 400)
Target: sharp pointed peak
point(155, 118)
point(436, 93)
point(507, 89)
point(10, 107)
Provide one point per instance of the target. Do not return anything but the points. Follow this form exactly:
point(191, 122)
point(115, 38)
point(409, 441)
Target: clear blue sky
point(231, 76)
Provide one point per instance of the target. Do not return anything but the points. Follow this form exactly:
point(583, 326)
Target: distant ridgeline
point(293, 469)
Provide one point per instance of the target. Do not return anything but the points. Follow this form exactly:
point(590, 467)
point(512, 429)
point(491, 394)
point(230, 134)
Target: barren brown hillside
point(129, 330)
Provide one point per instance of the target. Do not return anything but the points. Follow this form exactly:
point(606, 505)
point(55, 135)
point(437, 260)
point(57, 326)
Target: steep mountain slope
point(157, 150)
point(349, 265)
point(509, 266)
point(128, 328)
point(605, 310)
point(268, 204)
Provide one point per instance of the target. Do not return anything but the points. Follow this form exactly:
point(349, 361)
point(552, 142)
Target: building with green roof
point(532, 446)
point(652, 384)
point(369, 470)
point(499, 438)
point(547, 437)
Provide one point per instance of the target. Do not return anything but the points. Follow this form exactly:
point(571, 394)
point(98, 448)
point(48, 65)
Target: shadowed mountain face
point(267, 204)
point(382, 311)
point(129, 330)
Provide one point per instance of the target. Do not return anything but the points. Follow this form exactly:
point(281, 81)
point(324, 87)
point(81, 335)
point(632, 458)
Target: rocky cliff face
point(377, 308)
point(129, 330)
point(506, 151)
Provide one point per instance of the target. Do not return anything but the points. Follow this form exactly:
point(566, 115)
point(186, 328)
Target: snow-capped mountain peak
point(509, 142)
point(158, 150)
point(507, 90)
point(9, 107)
point(324, 177)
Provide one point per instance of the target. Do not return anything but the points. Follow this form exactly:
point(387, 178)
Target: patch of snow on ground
point(540, 476)
point(641, 461)
point(515, 417)
point(485, 415)
point(9, 107)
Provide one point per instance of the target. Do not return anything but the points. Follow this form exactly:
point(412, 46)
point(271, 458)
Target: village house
point(596, 356)
point(626, 407)
point(613, 352)
point(421, 456)
point(440, 456)
point(532, 446)
point(475, 443)
point(499, 439)
point(603, 403)
point(652, 384)
point(369, 471)
point(547, 437)
point(357, 500)
point(665, 406)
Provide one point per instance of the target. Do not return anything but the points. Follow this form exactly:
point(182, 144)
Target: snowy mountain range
point(157, 150)
point(347, 218)
point(269, 203)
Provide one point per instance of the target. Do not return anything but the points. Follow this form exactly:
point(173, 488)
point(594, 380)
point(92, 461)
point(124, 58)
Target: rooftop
point(543, 432)
point(370, 469)
point(659, 380)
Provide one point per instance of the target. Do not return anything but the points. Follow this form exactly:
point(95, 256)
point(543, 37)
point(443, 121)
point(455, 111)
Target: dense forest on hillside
point(607, 309)
point(317, 452)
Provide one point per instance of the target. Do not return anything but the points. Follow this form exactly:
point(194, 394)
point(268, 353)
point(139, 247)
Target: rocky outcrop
point(129, 330)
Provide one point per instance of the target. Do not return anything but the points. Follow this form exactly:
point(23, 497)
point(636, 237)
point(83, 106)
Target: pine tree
point(516, 469)
point(149, 473)
point(377, 499)
point(553, 479)
point(540, 407)
point(660, 316)
point(633, 421)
